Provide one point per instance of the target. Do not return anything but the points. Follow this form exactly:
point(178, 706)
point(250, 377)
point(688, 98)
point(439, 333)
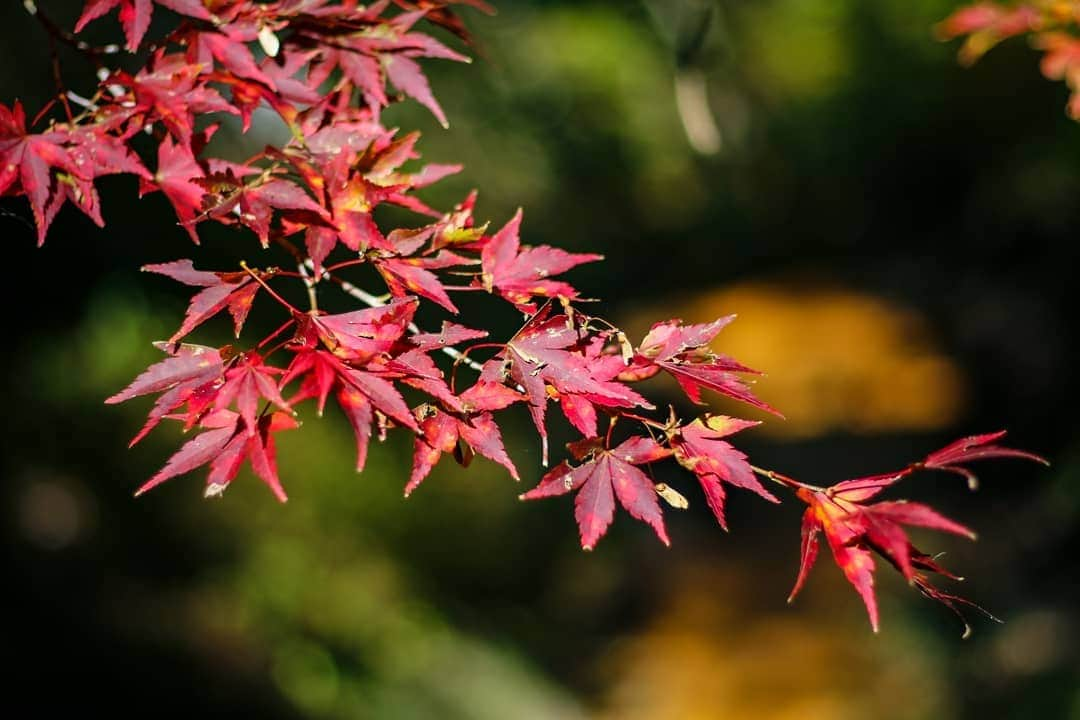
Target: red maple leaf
point(230, 51)
point(381, 164)
point(247, 381)
point(855, 531)
point(469, 427)
point(229, 199)
point(985, 16)
point(401, 41)
point(449, 334)
point(602, 361)
point(135, 15)
point(247, 95)
point(539, 355)
point(30, 159)
point(701, 449)
point(682, 351)
point(188, 371)
point(233, 290)
point(350, 197)
point(94, 153)
point(605, 475)
point(60, 164)
point(177, 171)
point(407, 77)
point(360, 393)
point(365, 57)
point(976, 447)
point(365, 335)
point(360, 70)
point(225, 445)
point(170, 90)
point(382, 161)
point(413, 275)
point(438, 12)
point(519, 275)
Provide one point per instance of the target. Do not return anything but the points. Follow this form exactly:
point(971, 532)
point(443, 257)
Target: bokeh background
point(897, 235)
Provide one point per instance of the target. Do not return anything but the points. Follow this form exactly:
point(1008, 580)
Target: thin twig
point(257, 277)
point(309, 283)
point(85, 103)
point(274, 334)
point(784, 480)
point(58, 79)
point(69, 38)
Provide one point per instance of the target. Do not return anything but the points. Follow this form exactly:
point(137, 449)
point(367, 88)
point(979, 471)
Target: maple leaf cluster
point(856, 531)
point(328, 69)
point(1050, 24)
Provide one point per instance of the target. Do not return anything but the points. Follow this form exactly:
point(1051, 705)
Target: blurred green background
point(897, 235)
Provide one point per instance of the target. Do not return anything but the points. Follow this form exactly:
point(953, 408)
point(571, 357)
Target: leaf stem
point(255, 276)
point(784, 480)
point(345, 264)
point(610, 428)
point(277, 332)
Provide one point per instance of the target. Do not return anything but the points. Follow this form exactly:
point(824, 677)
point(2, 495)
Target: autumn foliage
point(1049, 24)
point(327, 69)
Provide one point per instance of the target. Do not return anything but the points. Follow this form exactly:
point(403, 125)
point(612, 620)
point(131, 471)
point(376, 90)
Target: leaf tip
point(215, 490)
